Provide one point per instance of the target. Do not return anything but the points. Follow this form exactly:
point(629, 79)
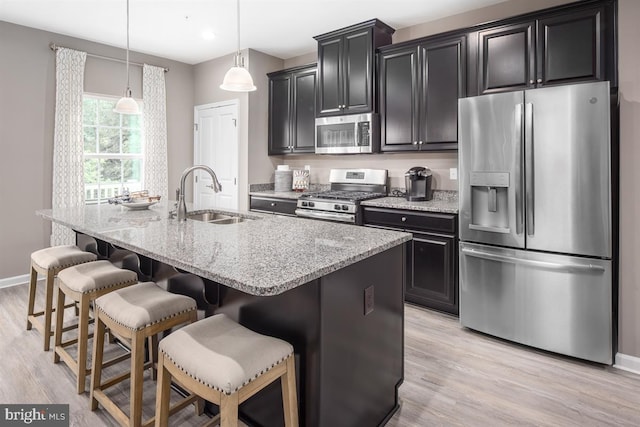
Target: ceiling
point(173, 28)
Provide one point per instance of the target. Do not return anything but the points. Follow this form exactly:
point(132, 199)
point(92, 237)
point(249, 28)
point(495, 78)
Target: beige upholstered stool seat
point(84, 283)
point(142, 305)
point(136, 313)
point(223, 354)
point(226, 363)
point(48, 262)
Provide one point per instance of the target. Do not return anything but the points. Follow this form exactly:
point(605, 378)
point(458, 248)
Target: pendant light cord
point(127, 94)
point(238, 20)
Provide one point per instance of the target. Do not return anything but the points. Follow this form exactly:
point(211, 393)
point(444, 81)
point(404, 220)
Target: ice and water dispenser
point(489, 201)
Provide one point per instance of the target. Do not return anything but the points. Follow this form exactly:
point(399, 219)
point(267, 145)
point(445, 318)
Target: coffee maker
point(417, 181)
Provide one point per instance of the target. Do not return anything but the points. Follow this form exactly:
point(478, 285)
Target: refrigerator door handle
point(528, 168)
point(532, 263)
point(518, 169)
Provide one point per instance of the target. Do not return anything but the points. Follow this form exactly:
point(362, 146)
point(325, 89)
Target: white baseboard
point(627, 363)
point(14, 281)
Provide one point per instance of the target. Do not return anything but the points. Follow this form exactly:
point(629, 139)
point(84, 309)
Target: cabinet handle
point(420, 142)
point(415, 142)
point(530, 82)
point(539, 80)
point(404, 219)
point(273, 203)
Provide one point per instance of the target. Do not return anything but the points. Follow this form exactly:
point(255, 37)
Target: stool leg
point(137, 372)
point(152, 345)
point(57, 335)
point(289, 397)
point(229, 410)
point(83, 338)
point(96, 364)
point(32, 295)
point(48, 306)
point(163, 391)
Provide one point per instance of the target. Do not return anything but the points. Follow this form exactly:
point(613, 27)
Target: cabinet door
point(506, 58)
point(329, 76)
point(279, 113)
point(304, 111)
point(432, 268)
point(443, 82)
point(570, 47)
point(358, 72)
point(399, 100)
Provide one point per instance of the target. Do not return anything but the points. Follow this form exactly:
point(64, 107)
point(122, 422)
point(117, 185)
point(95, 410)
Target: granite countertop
point(437, 206)
point(267, 255)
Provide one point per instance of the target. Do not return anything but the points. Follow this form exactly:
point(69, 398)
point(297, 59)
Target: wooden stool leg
point(57, 335)
point(229, 410)
point(137, 372)
point(83, 338)
point(32, 295)
point(152, 344)
point(289, 395)
point(163, 391)
point(96, 364)
point(48, 306)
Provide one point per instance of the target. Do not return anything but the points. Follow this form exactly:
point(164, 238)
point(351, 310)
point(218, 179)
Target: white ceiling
point(173, 28)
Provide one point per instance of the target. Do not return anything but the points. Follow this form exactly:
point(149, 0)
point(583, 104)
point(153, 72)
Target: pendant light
point(126, 104)
point(238, 78)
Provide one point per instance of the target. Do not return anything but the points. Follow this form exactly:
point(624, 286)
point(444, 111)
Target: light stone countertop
point(265, 256)
point(434, 205)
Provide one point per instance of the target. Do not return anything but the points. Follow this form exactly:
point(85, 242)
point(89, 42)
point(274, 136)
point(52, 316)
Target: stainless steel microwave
point(356, 133)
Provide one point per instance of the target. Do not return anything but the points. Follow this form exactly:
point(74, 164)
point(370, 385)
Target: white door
point(216, 145)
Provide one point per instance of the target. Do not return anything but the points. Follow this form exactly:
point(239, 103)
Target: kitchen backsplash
point(397, 164)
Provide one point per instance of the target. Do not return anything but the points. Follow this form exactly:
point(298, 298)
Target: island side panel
point(362, 355)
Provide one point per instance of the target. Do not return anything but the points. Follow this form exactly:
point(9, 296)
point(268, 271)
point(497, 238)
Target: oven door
point(326, 215)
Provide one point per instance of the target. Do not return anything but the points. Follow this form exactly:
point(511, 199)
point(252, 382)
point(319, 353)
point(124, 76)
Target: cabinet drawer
point(411, 220)
point(273, 205)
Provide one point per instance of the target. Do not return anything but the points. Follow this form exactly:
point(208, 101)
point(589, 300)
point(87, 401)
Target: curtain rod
point(55, 47)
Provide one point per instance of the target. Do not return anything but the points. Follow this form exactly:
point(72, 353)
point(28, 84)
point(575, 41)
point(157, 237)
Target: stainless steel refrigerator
point(535, 218)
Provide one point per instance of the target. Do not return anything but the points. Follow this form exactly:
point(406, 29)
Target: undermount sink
point(216, 217)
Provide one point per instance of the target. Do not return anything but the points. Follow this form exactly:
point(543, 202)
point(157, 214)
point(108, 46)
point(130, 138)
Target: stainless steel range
point(342, 202)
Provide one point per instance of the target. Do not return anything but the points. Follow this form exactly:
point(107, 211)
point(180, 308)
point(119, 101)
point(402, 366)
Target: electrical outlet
point(368, 300)
point(453, 173)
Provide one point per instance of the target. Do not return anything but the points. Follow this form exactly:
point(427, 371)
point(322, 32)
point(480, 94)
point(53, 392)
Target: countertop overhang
point(265, 256)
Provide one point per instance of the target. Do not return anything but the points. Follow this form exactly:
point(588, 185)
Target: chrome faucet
point(182, 206)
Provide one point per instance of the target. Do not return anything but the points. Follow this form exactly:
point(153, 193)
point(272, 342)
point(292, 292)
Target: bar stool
point(136, 313)
point(49, 262)
point(84, 283)
point(225, 363)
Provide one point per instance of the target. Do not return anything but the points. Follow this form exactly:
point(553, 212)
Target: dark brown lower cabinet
point(432, 257)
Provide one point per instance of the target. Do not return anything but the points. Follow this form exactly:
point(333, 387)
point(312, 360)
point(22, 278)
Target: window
point(113, 155)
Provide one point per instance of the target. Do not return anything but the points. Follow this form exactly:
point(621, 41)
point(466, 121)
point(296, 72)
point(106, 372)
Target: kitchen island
point(334, 291)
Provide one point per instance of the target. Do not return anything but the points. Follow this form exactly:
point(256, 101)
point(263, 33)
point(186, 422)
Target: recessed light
point(208, 35)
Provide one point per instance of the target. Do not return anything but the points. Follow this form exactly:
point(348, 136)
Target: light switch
point(453, 173)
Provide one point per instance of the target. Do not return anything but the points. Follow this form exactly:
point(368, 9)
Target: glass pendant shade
point(127, 105)
point(238, 79)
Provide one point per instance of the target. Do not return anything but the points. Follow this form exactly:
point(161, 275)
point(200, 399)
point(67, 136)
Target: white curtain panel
point(68, 142)
point(155, 131)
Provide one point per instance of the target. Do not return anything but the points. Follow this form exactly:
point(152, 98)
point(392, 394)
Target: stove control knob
point(345, 207)
point(305, 204)
point(311, 204)
point(336, 207)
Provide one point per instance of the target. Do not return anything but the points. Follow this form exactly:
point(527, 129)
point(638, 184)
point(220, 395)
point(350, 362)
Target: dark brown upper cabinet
point(292, 101)
point(564, 45)
point(420, 83)
point(346, 68)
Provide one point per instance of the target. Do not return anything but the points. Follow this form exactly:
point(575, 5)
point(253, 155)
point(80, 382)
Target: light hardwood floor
point(453, 376)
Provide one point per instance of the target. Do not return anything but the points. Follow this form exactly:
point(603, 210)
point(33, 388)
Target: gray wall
point(27, 79)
